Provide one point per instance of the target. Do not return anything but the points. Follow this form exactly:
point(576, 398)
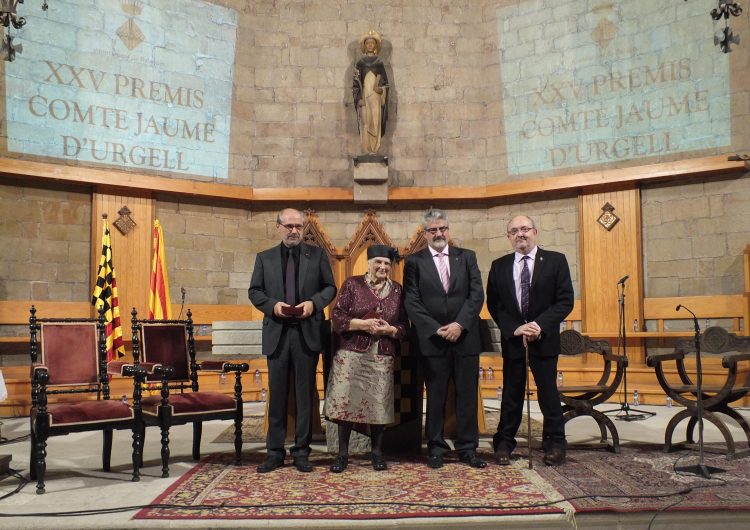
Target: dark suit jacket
point(315, 283)
point(429, 307)
point(550, 301)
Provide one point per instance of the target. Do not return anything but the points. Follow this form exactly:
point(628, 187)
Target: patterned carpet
point(640, 479)
point(644, 470)
point(214, 489)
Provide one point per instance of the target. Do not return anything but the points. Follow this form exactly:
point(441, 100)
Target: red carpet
point(214, 489)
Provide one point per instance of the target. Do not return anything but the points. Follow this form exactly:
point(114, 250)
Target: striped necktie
point(445, 278)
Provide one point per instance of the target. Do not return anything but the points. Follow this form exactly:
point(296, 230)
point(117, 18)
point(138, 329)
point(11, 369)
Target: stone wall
point(211, 250)
point(294, 75)
point(694, 236)
point(293, 125)
point(45, 235)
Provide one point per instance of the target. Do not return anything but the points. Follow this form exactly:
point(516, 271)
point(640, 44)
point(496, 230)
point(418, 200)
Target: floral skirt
point(360, 388)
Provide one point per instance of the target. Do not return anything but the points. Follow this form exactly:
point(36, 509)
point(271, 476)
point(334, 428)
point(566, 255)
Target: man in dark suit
point(529, 293)
point(443, 297)
point(291, 284)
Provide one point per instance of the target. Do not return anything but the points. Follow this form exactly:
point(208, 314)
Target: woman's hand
point(384, 328)
point(370, 325)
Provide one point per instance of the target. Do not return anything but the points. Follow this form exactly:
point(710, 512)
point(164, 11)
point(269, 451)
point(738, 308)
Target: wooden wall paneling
point(131, 182)
point(131, 253)
point(369, 232)
point(606, 257)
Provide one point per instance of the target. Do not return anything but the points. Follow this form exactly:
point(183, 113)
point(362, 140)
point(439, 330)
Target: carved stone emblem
point(608, 219)
point(124, 223)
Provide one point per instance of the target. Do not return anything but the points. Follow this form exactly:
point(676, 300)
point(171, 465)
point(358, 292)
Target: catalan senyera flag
point(159, 304)
point(105, 295)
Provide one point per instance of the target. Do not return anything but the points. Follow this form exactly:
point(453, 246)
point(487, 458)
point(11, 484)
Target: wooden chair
point(166, 350)
point(579, 400)
point(734, 352)
point(69, 360)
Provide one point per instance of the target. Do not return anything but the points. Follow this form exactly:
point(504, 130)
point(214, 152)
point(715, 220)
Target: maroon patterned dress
point(360, 384)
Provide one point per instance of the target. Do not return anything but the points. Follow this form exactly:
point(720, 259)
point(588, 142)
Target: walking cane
point(528, 399)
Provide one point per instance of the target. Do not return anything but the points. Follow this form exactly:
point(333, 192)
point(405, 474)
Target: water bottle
point(635, 325)
point(559, 379)
point(257, 376)
point(636, 401)
point(563, 326)
point(223, 378)
point(708, 324)
point(124, 399)
point(499, 394)
point(490, 373)
point(263, 395)
point(669, 402)
point(481, 373)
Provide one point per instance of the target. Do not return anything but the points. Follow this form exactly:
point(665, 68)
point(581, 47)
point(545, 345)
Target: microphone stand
point(701, 468)
point(623, 413)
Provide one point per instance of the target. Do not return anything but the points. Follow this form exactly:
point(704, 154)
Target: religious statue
point(370, 89)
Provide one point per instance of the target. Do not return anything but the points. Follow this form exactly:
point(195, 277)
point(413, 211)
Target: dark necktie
point(525, 282)
point(290, 283)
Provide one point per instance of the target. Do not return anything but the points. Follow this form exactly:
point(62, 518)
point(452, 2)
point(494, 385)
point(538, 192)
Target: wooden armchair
point(579, 400)
point(734, 352)
point(69, 361)
point(166, 350)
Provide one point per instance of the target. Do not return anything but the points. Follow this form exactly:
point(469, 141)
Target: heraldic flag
point(105, 295)
point(159, 304)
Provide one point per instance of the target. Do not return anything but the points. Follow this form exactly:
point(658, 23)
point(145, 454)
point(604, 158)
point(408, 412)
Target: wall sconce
point(725, 9)
point(8, 18)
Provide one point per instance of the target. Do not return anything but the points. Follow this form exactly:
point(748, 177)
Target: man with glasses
point(291, 284)
point(529, 292)
point(443, 297)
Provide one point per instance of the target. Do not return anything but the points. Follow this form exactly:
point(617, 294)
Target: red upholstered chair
point(166, 350)
point(69, 362)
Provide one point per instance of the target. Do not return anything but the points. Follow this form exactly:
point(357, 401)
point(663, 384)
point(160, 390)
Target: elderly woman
point(369, 320)
point(370, 91)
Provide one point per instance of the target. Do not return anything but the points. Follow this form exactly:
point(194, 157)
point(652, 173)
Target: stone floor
point(86, 487)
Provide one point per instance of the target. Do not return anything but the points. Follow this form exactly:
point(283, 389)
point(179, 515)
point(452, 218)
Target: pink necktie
point(443, 270)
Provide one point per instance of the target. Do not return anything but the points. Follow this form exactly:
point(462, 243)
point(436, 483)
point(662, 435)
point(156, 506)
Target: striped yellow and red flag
point(159, 303)
point(105, 295)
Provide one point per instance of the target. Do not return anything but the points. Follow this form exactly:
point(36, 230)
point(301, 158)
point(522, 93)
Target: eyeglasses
point(289, 228)
point(433, 231)
point(523, 229)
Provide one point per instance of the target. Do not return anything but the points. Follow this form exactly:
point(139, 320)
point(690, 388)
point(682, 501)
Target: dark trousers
point(292, 357)
point(511, 408)
point(464, 370)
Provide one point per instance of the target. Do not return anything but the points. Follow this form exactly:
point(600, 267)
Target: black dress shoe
point(554, 457)
point(470, 458)
point(339, 464)
point(302, 464)
point(378, 463)
point(502, 457)
point(269, 464)
point(435, 461)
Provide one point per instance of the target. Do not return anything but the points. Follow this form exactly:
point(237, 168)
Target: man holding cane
point(529, 292)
